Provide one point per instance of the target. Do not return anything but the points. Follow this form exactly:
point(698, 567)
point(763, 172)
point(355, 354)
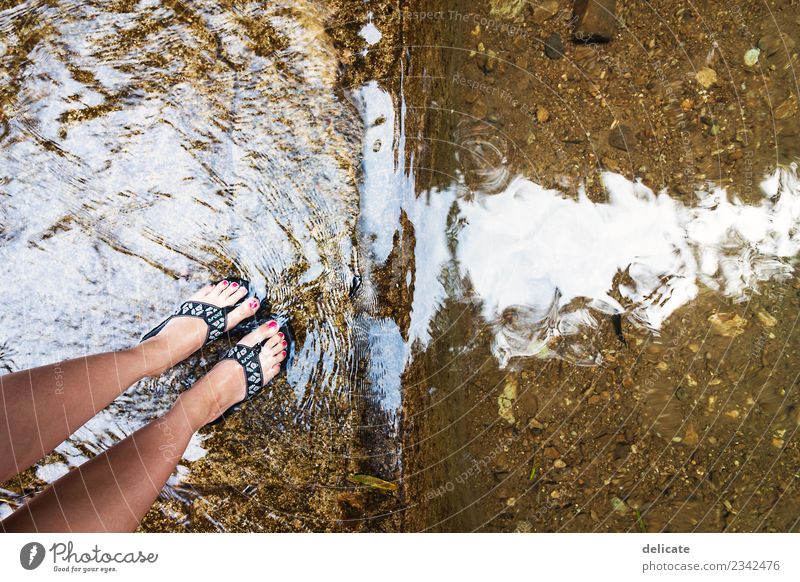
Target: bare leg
point(40, 408)
point(114, 490)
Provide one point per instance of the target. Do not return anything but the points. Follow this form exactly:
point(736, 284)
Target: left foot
point(224, 385)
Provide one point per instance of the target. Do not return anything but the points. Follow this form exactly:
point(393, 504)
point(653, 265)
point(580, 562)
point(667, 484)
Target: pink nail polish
point(253, 304)
point(234, 285)
point(272, 325)
point(284, 354)
point(225, 283)
point(284, 345)
point(280, 333)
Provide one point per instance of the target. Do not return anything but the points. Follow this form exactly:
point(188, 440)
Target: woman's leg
point(40, 408)
point(114, 490)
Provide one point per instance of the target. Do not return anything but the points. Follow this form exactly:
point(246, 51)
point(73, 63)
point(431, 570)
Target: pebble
point(751, 57)
point(619, 505)
point(552, 453)
point(542, 114)
point(727, 324)
point(544, 10)
point(766, 319)
point(505, 402)
point(787, 109)
point(559, 464)
point(622, 138)
point(553, 47)
point(706, 77)
point(690, 437)
point(595, 20)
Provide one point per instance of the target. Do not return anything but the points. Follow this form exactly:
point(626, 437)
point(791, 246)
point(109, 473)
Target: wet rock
point(610, 164)
point(787, 109)
point(772, 44)
point(480, 109)
point(727, 324)
point(553, 47)
point(542, 114)
point(552, 453)
point(623, 138)
point(706, 77)
point(594, 20)
point(544, 10)
point(690, 437)
point(535, 425)
point(751, 57)
point(766, 319)
point(619, 505)
point(505, 402)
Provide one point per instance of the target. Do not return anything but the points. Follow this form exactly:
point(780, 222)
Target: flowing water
point(460, 296)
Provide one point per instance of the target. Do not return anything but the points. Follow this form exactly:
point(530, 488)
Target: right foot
point(183, 336)
point(224, 385)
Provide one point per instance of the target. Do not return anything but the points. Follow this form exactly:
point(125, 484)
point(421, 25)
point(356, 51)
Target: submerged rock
point(553, 47)
point(544, 10)
point(706, 77)
point(623, 138)
point(727, 324)
point(751, 57)
point(595, 20)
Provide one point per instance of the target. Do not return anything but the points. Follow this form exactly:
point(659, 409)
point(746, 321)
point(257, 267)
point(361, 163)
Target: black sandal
point(215, 317)
point(247, 358)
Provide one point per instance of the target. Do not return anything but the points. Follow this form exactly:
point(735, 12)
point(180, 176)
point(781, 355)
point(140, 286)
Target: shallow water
point(457, 297)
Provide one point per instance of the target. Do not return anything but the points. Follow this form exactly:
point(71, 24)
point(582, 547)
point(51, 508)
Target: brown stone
point(623, 138)
point(594, 20)
point(552, 453)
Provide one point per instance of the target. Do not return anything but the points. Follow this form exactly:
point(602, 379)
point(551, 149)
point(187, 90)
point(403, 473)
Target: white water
point(554, 262)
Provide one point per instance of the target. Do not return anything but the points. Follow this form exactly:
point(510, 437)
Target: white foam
point(370, 33)
point(52, 472)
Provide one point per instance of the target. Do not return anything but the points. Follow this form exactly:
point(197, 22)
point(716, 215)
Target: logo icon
point(31, 555)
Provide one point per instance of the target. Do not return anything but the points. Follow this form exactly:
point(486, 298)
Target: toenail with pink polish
point(285, 344)
point(280, 333)
point(224, 282)
point(272, 325)
point(283, 354)
point(253, 304)
point(234, 285)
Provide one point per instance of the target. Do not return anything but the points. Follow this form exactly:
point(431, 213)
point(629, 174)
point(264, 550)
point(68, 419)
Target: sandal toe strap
point(215, 317)
point(247, 357)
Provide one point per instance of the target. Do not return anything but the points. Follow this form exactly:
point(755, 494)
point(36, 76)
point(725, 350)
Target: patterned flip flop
point(247, 358)
point(215, 317)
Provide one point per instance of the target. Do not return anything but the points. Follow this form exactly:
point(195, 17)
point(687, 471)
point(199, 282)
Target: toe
point(243, 311)
point(234, 296)
point(219, 289)
point(262, 332)
point(232, 290)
